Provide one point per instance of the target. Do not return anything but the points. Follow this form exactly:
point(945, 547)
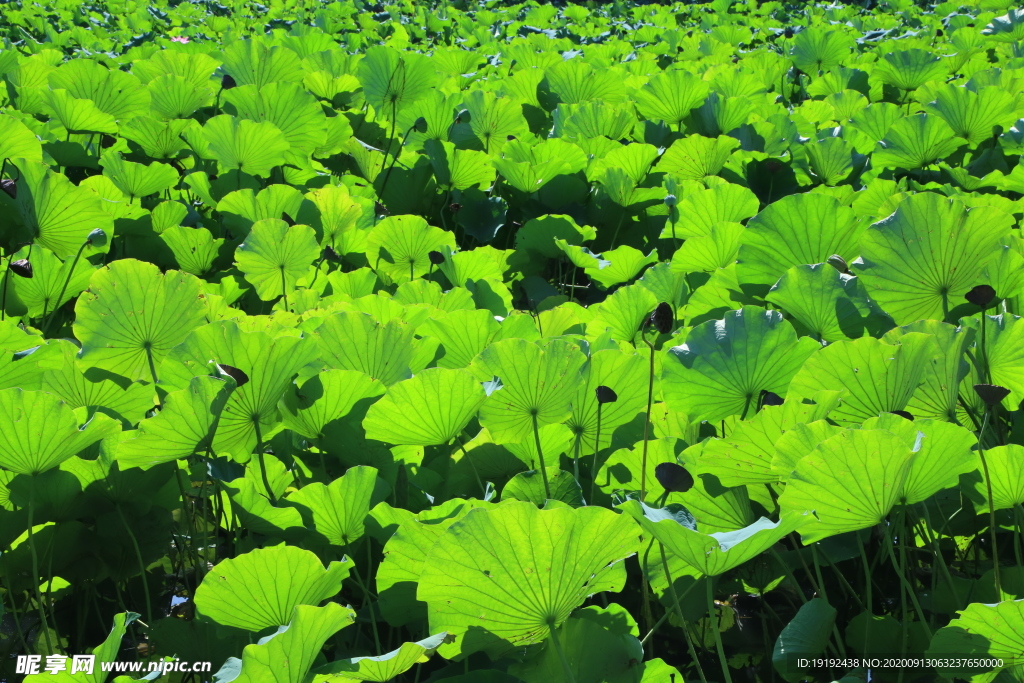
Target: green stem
point(576, 457)
point(714, 628)
point(679, 611)
point(284, 289)
point(14, 603)
point(566, 669)
point(647, 422)
point(142, 564)
point(597, 448)
point(904, 581)
point(540, 459)
point(35, 563)
point(64, 287)
point(991, 505)
point(262, 461)
point(3, 297)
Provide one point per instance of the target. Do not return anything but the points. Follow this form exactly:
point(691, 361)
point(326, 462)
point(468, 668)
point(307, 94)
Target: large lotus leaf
point(77, 115)
point(240, 209)
point(327, 396)
point(712, 554)
point(910, 69)
point(984, 632)
point(670, 96)
point(17, 141)
point(55, 213)
point(700, 211)
point(724, 365)
point(850, 482)
point(718, 249)
point(611, 268)
point(937, 397)
point(914, 142)
point(696, 157)
point(459, 169)
point(463, 334)
point(105, 652)
point(1008, 28)
point(269, 362)
point(287, 655)
point(184, 426)
point(174, 97)
point(339, 509)
point(920, 262)
point(392, 80)
point(538, 386)
point(874, 377)
point(818, 49)
point(344, 218)
point(195, 249)
point(591, 121)
point(796, 230)
point(520, 571)
point(400, 246)
point(972, 115)
point(1004, 352)
point(797, 442)
point(944, 452)
point(286, 105)
point(1004, 466)
point(356, 341)
point(492, 119)
point(805, 636)
point(827, 304)
point(382, 668)
point(431, 408)
point(530, 486)
point(275, 255)
point(255, 62)
point(138, 180)
point(573, 81)
point(114, 92)
point(746, 455)
point(261, 588)
point(529, 168)
point(40, 292)
point(255, 512)
point(626, 374)
point(132, 316)
point(251, 147)
point(158, 139)
point(39, 431)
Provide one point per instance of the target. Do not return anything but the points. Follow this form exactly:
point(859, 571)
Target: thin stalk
point(14, 603)
point(566, 669)
point(718, 634)
point(142, 564)
point(472, 465)
point(647, 421)
point(191, 526)
point(576, 457)
point(262, 461)
point(991, 505)
point(679, 611)
point(3, 297)
point(368, 601)
point(284, 289)
point(789, 575)
point(597, 447)
point(35, 563)
point(540, 458)
point(937, 552)
point(904, 581)
point(64, 287)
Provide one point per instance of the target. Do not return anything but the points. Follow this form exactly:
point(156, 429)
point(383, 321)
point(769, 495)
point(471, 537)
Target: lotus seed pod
point(227, 82)
point(436, 257)
point(904, 414)
point(420, 125)
point(10, 187)
point(510, 138)
point(991, 394)
point(770, 398)
point(788, 32)
point(670, 200)
point(606, 395)
point(234, 373)
point(673, 477)
point(22, 268)
point(97, 238)
point(663, 318)
point(981, 296)
point(838, 262)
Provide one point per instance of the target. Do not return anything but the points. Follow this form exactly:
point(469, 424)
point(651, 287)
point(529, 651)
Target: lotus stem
point(647, 423)
point(597, 448)
point(679, 611)
point(263, 462)
point(540, 458)
point(3, 297)
point(35, 562)
point(718, 634)
point(991, 504)
point(904, 581)
point(553, 635)
point(142, 564)
point(284, 289)
point(64, 287)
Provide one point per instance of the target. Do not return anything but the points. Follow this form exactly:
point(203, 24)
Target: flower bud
point(10, 187)
point(838, 262)
point(663, 318)
point(97, 238)
point(22, 268)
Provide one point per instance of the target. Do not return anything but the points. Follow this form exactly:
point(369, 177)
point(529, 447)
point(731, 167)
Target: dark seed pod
point(991, 394)
point(287, 219)
point(770, 398)
point(22, 268)
point(606, 394)
point(981, 296)
point(454, 207)
point(234, 373)
point(436, 257)
point(10, 187)
point(97, 238)
point(663, 318)
point(673, 477)
point(420, 125)
point(227, 82)
point(330, 254)
point(904, 414)
point(938, 33)
point(838, 262)
point(788, 32)
point(510, 138)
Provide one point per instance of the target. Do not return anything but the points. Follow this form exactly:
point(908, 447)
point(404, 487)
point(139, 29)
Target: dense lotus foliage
point(489, 343)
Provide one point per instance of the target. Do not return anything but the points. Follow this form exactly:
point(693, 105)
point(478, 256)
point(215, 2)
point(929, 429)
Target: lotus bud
point(787, 32)
point(904, 414)
point(420, 125)
point(981, 296)
point(227, 82)
point(330, 254)
point(97, 238)
point(938, 33)
point(436, 257)
point(770, 398)
point(991, 394)
point(234, 373)
point(670, 200)
point(287, 219)
point(22, 268)
point(838, 262)
point(606, 395)
point(673, 477)
point(663, 318)
point(10, 187)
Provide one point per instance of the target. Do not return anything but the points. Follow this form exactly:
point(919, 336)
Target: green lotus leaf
point(871, 124)
point(724, 365)
point(850, 482)
point(914, 142)
point(611, 268)
point(828, 161)
point(721, 115)
point(804, 637)
point(38, 431)
point(937, 397)
point(242, 208)
point(269, 362)
point(463, 334)
point(382, 668)
point(339, 509)
point(327, 396)
point(696, 157)
point(400, 246)
point(56, 214)
point(78, 115)
point(529, 487)
point(251, 147)
point(920, 262)
point(973, 114)
point(105, 652)
point(1008, 28)
point(799, 441)
point(114, 92)
point(195, 249)
point(573, 81)
point(262, 587)
point(670, 96)
point(592, 122)
point(982, 632)
point(18, 140)
point(344, 218)
point(175, 97)
point(874, 377)
point(287, 106)
point(1007, 480)
point(827, 304)
point(711, 554)
point(356, 341)
point(538, 386)
point(529, 168)
point(158, 139)
point(392, 80)
point(818, 49)
point(138, 180)
point(275, 255)
point(492, 120)
point(701, 211)
point(298, 644)
point(431, 408)
point(910, 69)
point(944, 451)
point(255, 62)
point(41, 293)
point(625, 373)
point(255, 512)
point(796, 230)
point(541, 235)
point(522, 570)
point(718, 249)
point(459, 169)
